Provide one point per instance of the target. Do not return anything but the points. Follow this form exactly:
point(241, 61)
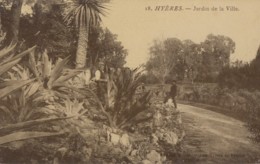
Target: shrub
point(117, 98)
point(23, 98)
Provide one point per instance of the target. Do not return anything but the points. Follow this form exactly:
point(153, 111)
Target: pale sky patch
point(137, 28)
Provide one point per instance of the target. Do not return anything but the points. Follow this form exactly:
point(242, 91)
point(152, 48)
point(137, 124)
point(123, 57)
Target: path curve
point(215, 138)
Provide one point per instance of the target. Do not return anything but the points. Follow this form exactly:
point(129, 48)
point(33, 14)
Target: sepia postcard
point(130, 81)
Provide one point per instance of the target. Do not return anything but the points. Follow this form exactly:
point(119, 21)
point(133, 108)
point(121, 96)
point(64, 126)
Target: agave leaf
point(8, 58)
point(8, 83)
point(12, 102)
point(27, 124)
point(46, 68)
point(32, 88)
point(73, 108)
point(7, 111)
point(21, 106)
point(68, 76)
point(111, 94)
point(11, 76)
point(28, 112)
point(9, 89)
point(57, 71)
point(6, 50)
point(3, 35)
point(19, 56)
point(17, 136)
point(5, 67)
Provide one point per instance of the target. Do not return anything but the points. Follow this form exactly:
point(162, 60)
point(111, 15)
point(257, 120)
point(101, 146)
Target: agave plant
point(7, 88)
point(121, 106)
point(70, 108)
point(19, 95)
point(7, 91)
point(53, 78)
point(17, 108)
point(7, 61)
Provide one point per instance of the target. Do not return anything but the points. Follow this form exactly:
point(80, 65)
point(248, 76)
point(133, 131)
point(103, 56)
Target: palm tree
point(84, 14)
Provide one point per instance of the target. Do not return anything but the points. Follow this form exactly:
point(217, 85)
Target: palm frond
point(85, 12)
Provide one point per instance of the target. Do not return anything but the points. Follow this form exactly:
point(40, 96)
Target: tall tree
point(164, 58)
point(216, 51)
point(220, 48)
point(104, 46)
point(16, 9)
point(173, 58)
point(175, 52)
point(46, 28)
point(84, 14)
point(192, 59)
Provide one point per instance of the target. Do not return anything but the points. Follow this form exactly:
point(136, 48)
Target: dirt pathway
point(215, 138)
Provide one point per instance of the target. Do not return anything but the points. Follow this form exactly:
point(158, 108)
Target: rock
point(133, 153)
point(62, 151)
point(163, 158)
point(146, 162)
point(154, 138)
point(33, 161)
point(113, 161)
point(116, 151)
point(124, 140)
point(114, 130)
point(182, 135)
point(153, 156)
point(170, 138)
point(178, 119)
point(168, 118)
point(55, 161)
point(87, 151)
point(114, 138)
point(128, 151)
point(159, 135)
point(157, 119)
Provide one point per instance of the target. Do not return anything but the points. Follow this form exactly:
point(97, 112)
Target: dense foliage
point(118, 98)
point(104, 47)
point(241, 75)
point(186, 60)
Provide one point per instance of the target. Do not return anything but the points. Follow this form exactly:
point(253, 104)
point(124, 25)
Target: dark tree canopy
point(241, 75)
point(104, 46)
point(186, 60)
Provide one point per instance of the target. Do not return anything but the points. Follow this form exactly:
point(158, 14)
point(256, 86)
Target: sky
point(137, 28)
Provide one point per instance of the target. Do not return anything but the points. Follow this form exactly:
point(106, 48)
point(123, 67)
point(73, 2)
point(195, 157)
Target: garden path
point(215, 138)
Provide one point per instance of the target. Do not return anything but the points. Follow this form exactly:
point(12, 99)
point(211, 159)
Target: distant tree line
point(185, 60)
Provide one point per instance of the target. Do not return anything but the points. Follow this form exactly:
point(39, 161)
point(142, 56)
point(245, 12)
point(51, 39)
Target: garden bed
point(156, 140)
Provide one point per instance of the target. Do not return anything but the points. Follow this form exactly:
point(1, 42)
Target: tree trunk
point(16, 9)
point(81, 55)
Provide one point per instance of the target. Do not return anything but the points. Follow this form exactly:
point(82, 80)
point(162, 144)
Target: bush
point(117, 98)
